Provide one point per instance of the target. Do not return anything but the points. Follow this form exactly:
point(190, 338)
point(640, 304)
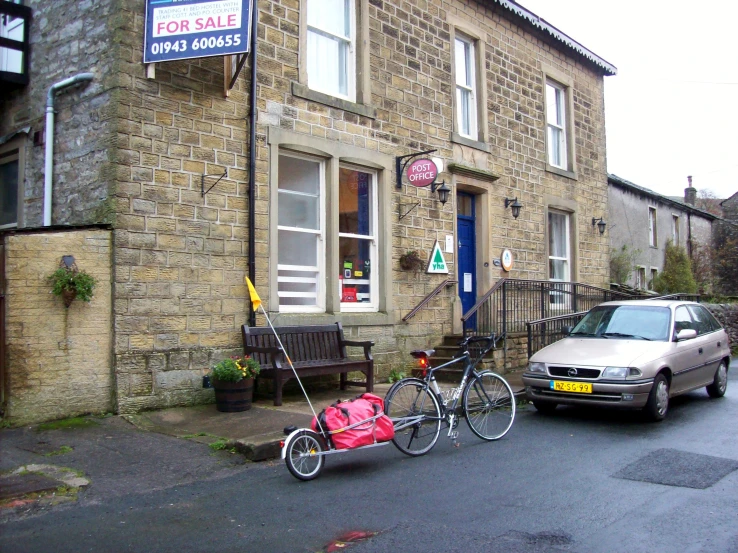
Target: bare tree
point(708, 201)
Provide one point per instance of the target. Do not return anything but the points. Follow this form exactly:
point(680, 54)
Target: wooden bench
point(314, 350)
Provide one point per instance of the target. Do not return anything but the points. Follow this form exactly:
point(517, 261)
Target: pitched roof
point(619, 181)
point(557, 36)
point(729, 198)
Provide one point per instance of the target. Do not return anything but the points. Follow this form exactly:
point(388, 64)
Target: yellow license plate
point(576, 387)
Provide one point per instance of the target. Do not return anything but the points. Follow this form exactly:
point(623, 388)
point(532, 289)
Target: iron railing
point(511, 303)
point(544, 332)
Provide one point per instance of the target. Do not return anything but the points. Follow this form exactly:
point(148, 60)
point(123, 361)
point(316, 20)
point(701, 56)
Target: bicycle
point(418, 406)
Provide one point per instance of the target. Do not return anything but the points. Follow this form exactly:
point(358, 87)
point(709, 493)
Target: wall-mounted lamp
point(443, 191)
point(601, 224)
point(515, 204)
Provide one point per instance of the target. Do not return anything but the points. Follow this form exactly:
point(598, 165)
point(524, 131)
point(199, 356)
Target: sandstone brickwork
point(59, 359)
point(179, 257)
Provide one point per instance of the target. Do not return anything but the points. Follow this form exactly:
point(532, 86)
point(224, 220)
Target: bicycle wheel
point(301, 457)
point(411, 398)
point(489, 406)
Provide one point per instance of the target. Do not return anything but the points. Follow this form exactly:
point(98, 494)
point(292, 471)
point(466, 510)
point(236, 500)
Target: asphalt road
point(576, 481)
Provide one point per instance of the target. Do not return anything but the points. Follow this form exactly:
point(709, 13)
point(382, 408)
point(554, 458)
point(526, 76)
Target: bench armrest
point(366, 345)
point(276, 354)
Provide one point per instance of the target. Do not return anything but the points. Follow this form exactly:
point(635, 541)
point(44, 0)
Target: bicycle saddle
point(422, 353)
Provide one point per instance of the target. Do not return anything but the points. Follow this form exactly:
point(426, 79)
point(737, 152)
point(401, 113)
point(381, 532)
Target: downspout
point(252, 163)
point(49, 161)
point(689, 235)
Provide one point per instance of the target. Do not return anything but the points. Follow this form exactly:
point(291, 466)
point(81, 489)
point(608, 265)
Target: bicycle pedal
point(454, 435)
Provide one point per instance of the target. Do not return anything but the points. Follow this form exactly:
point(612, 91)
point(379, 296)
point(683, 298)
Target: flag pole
point(256, 303)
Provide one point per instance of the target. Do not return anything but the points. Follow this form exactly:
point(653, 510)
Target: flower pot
point(232, 397)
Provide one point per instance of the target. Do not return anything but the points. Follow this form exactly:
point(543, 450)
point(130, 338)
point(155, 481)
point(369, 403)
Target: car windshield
point(626, 322)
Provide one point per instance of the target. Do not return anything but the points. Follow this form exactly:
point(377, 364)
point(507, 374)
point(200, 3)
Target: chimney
point(690, 193)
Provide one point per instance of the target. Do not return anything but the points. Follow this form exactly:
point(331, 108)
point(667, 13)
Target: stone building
point(644, 221)
point(513, 106)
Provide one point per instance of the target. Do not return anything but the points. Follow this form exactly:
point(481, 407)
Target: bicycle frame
point(448, 412)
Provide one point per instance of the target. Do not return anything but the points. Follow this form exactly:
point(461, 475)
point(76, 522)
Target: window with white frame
point(556, 125)
point(11, 182)
point(301, 224)
point(559, 254)
point(675, 229)
point(640, 278)
point(466, 93)
point(331, 48)
point(302, 214)
point(652, 236)
point(357, 239)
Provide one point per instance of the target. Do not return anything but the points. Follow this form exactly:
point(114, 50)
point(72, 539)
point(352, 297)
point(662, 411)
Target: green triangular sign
point(437, 262)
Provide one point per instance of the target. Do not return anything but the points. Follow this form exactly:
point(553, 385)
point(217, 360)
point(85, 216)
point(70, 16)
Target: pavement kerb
point(256, 434)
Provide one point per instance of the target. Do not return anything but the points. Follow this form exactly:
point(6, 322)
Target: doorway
point(467, 253)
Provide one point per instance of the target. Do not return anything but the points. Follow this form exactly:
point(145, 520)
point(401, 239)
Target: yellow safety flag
point(255, 299)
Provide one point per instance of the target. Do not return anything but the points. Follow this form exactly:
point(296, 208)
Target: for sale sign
point(186, 29)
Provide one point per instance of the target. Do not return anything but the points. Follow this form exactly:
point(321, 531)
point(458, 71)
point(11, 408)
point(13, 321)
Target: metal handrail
point(466, 316)
point(429, 297)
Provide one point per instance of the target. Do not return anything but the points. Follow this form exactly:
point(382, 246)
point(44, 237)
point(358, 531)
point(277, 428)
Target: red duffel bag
point(356, 422)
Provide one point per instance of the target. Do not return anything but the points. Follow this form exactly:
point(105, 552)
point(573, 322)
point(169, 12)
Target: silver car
point(632, 354)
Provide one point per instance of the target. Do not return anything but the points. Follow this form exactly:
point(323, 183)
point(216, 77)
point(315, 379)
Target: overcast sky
point(672, 109)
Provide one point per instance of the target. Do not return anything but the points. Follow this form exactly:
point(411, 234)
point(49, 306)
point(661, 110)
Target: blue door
point(467, 260)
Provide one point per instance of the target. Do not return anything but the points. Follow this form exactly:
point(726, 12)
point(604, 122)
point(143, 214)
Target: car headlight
point(537, 368)
point(616, 373)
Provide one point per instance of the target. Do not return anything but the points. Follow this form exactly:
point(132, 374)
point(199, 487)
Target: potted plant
point(233, 381)
point(70, 283)
point(411, 261)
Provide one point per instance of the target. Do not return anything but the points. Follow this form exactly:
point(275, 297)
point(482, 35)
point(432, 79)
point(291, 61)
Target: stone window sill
point(561, 172)
point(301, 91)
point(456, 138)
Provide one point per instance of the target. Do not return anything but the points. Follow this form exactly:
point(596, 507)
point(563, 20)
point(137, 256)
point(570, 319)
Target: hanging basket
point(68, 296)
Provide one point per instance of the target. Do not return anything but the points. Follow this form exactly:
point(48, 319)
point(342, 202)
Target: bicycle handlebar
point(472, 339)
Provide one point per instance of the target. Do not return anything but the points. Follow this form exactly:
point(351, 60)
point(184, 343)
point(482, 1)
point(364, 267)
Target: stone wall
point(727, 315)
point(59, 359)
point(134, 149)
point(67, 37)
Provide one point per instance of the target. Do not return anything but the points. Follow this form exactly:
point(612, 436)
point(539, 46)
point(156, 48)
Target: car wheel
point(545, 407)
point(720, 383)
point(658, 400)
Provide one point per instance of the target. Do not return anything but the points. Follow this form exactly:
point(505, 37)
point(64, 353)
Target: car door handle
point(719, 344)
point(699, 351)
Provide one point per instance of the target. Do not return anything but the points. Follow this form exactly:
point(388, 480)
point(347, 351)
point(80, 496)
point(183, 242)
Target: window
point(654, 274)
point(331, 49)
point(682, 320)
point(466, 93)
point(558, 246)
point(302, 214)
point(675, 229)
point(701, 323)
point(301, 223)
point(357, 238)
point(559, 257)
point(640, 280)
point(652, 237)
point(556, 125)
point(11, 183)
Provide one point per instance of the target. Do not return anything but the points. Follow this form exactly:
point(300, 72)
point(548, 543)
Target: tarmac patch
point(671, 467)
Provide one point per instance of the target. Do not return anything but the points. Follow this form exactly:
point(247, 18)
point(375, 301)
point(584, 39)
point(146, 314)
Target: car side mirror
point(686, 334)
point(566, 330)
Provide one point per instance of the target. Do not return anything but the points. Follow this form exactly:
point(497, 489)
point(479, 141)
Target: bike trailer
point(354, 423)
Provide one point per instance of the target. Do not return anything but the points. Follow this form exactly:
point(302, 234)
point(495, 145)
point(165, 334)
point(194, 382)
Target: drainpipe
point(49, 161)
point(252, 164)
